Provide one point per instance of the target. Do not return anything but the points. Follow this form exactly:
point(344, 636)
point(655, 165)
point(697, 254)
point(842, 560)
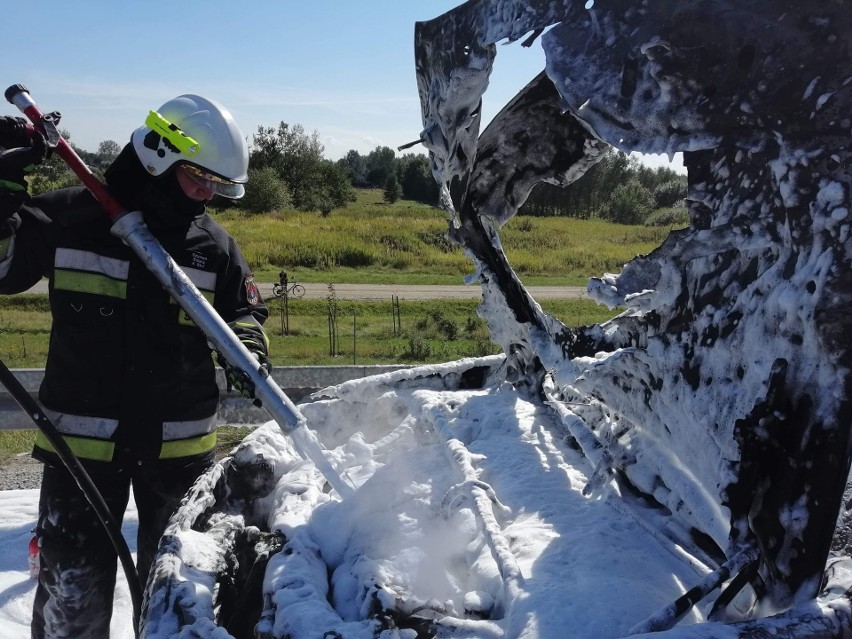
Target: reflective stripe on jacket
point(127, 370)
point(91, 437)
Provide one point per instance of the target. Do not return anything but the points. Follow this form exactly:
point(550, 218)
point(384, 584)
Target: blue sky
point(339, 67)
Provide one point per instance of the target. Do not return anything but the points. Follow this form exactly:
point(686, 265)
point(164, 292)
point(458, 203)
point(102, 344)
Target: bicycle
point(283, 287)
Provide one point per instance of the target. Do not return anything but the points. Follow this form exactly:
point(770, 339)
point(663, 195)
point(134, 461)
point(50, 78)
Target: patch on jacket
point(252, 293)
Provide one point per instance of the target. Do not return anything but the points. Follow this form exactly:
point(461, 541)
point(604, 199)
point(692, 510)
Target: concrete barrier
point(298, 382)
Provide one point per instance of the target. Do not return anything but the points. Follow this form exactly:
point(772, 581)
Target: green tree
point(586, 195)
point(313, 182)
point(590, 194)
point(333, 190)
point(380, 164)
point(651, 178)
point(54, 174)
point(670, 193)
point(416, 179)
point(265, 191)
point(295, 155)
point(392, 189)
point(630, 203)
point(616, 169)
point(107, 151)
point(355, 166)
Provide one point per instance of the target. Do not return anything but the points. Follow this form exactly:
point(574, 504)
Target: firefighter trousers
point(78, 564)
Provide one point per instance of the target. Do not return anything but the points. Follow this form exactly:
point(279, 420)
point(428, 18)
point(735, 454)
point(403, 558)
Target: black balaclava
point(160, 198)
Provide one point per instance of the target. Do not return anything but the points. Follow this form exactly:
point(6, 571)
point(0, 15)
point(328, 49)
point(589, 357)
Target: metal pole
point(132, 230)
point(286, 312)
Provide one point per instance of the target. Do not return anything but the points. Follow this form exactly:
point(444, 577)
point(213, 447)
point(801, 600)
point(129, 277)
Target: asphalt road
point(374, 292)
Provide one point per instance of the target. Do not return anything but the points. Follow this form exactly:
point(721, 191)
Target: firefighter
point(129, 380)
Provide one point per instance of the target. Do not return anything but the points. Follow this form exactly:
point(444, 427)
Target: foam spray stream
point(131, 228)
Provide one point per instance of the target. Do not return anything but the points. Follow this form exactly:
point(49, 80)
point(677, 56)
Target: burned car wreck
point(711, 417)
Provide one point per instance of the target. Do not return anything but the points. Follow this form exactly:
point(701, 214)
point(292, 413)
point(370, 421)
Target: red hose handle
point(19, 96)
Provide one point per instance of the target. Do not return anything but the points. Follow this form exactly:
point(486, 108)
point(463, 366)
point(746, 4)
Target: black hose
point(90, 491)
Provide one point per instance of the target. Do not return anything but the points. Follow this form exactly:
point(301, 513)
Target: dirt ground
point(20, 472)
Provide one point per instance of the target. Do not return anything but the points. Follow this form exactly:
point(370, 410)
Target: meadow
point(374, 242)
point(363, 332)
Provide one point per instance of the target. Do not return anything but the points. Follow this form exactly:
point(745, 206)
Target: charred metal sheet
point(736, 336)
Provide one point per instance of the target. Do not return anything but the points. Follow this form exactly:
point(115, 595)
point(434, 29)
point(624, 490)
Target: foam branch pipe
point(130, 227)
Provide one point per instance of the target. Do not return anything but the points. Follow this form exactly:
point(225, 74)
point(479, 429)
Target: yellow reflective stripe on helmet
point(94, 283)
point(172, 133)
point(94, 449)
point(188, 447)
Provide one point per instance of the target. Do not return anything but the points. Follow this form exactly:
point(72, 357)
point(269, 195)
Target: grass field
point(364, 332)
point(374, 242)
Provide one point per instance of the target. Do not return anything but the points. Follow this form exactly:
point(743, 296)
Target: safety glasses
point(218, 185)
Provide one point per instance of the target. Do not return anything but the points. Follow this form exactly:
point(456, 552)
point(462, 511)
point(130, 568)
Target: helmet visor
point(219, 185)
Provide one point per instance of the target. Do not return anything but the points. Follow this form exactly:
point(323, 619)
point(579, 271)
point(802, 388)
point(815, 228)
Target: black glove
point(239, 380)
point(23, 152)
point(14, 131)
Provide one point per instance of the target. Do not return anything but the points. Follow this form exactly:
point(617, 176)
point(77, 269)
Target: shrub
point(471, 325)
point(333, 191)
point(354, 257)
point(483, 347)
point(524, 225)
point(630, 203)
point(265, 191)
point(669, 193)
point(438, 240)
point(437, 325)
point(418, 349)
point(674, 216)
point(392, 189)
point(41, 184)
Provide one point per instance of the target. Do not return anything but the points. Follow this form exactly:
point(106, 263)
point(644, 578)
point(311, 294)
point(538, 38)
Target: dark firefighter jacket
point(128, 373)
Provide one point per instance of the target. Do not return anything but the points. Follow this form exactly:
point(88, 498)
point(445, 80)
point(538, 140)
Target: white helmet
point(199, 134)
